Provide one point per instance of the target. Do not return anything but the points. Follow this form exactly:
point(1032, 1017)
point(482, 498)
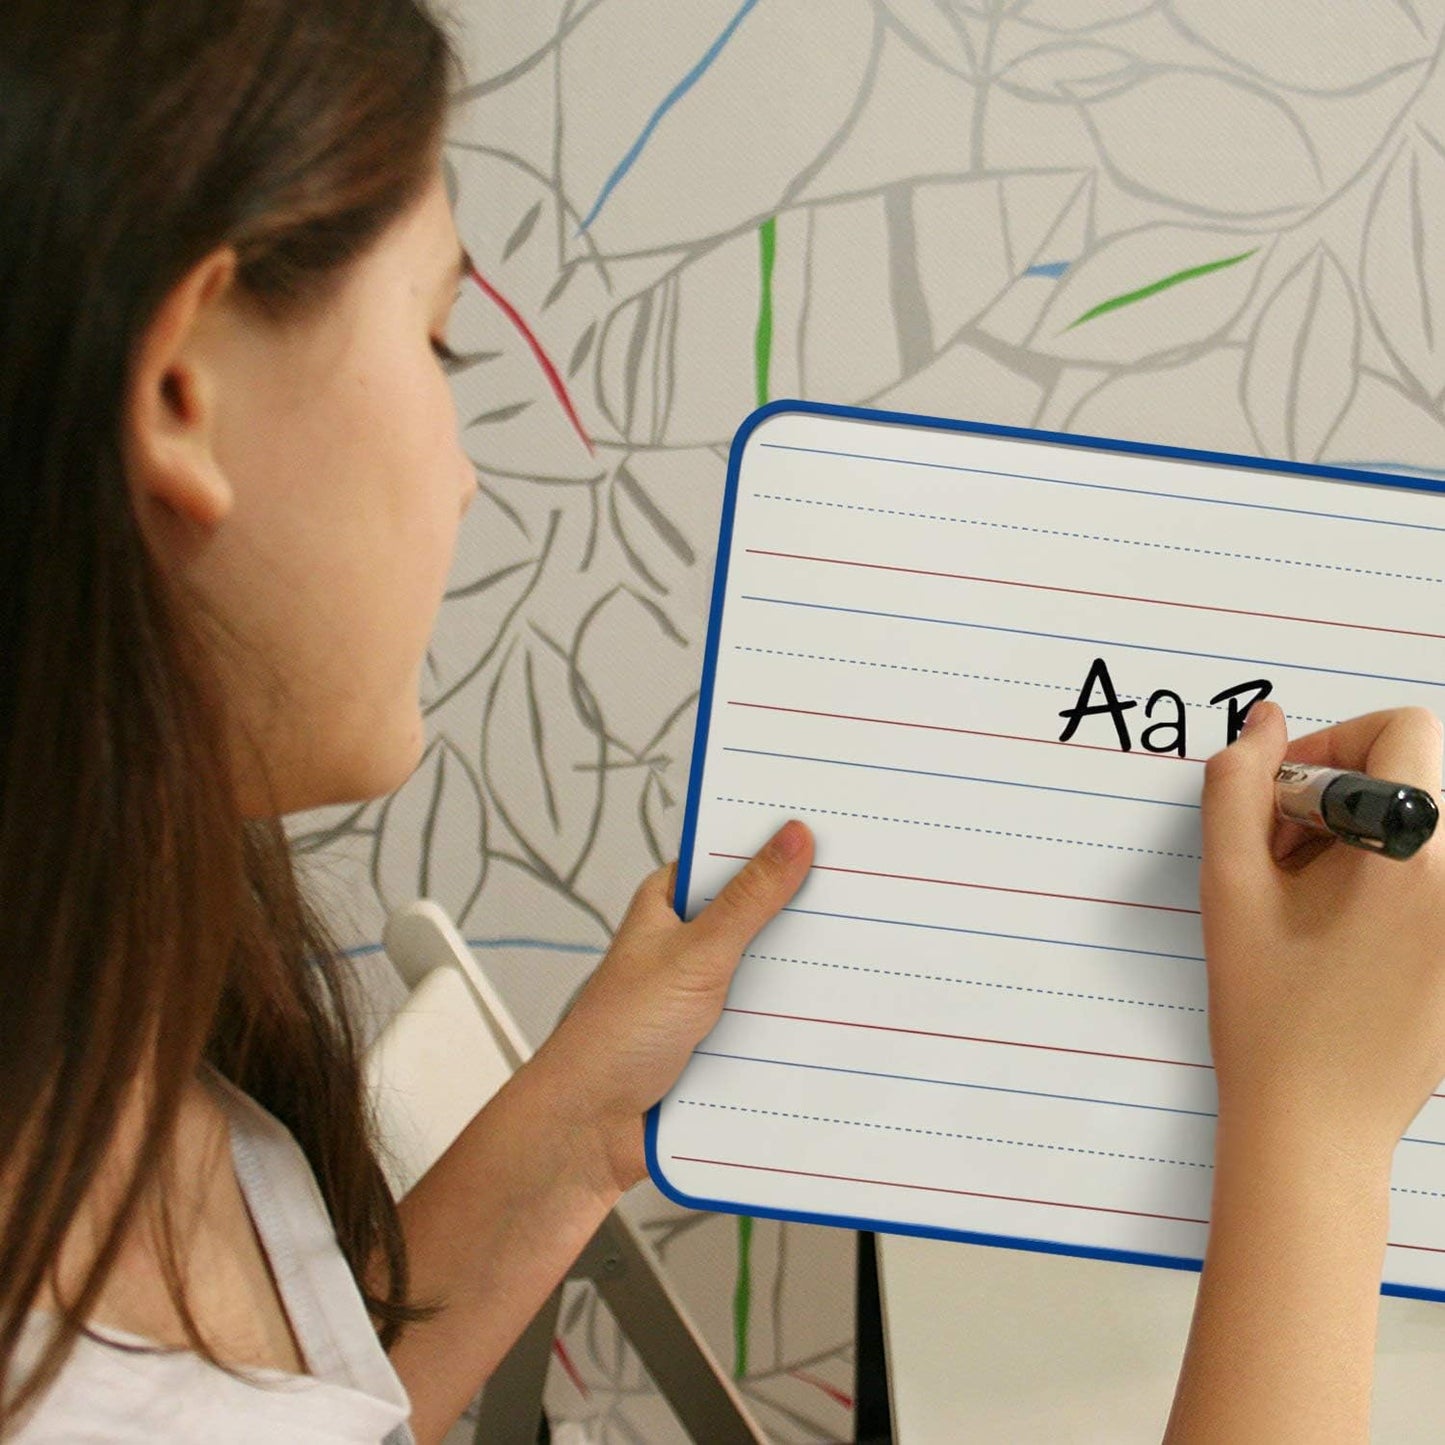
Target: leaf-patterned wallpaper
point(1218, 223)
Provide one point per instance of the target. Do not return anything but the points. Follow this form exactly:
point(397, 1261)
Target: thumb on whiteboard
point(755, 894)
point(1239, 806)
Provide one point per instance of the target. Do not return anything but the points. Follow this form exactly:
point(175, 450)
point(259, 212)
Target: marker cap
point(1386, 817)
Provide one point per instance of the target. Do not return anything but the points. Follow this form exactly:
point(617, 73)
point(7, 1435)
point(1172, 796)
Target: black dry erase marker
point(1390, 818)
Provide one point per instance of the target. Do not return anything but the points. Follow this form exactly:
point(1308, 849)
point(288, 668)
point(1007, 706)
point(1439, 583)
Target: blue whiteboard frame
point(699, 753)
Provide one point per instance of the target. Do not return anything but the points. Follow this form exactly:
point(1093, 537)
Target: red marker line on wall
point(549, 370)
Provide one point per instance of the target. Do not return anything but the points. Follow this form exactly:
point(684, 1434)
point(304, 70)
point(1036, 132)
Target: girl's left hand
point(657, 993)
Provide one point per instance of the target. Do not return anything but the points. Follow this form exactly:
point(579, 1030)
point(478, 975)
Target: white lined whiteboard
point(985, 1011)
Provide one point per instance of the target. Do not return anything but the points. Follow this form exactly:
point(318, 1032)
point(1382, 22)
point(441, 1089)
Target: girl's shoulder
point(124, 1390)
point(267, 1285)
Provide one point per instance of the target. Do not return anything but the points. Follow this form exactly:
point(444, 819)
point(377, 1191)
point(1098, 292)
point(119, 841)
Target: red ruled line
point(982, 887)
point(934, 1189)
point(973, 1194)
point(966, 1038)
point(967, 732)
point(1107, 596)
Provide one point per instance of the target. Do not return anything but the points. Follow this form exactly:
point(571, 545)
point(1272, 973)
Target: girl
point(231, 484)
point(231, 479)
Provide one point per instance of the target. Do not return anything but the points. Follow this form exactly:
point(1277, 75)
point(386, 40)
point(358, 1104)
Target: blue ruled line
point(960, 777)
point(814, 808)
point(973, 982)
point(953, 1084)
point(950, 1134)
point(1096, 537)
point(1068, 687)
point(991, 1089)
point(1092, 641)
point(1104, 487)
point(1010, 937)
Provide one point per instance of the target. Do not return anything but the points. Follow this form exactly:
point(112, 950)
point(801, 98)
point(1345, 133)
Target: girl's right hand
point(1326, 965)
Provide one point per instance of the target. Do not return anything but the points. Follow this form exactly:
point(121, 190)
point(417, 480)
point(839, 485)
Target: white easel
point(448, 1050)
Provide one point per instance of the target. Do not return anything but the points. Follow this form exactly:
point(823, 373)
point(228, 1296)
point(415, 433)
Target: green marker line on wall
point(768, 250)
point(1130, 298)
point(763, 366)
point(743, 1297)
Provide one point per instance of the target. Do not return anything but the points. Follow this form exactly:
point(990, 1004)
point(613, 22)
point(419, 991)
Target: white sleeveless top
point(351, 1396)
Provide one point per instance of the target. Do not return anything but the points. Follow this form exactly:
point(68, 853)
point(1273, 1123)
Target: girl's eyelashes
point(451, 361)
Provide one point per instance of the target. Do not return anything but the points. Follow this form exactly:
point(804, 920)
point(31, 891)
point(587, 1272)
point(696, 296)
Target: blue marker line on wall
point(669, 100)
point(547, 945)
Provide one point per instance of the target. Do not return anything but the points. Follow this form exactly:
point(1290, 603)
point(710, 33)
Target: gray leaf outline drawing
point(613, 605)
point(550, 793)
point(320, 828)
point(1271, 67)
point(1404, 295)
point(1061, 17)
point(630, 509)
point(499, 414)
point(1134, 144)
point(667, 758)
point(1304, 353)
point(440, 804)
point(1081, 68)
point(504, 630)
point(582, 349)
point(934, 31)
point(522, 232)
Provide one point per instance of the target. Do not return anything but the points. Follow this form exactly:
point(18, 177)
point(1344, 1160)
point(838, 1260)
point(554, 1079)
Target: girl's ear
point(178, 487)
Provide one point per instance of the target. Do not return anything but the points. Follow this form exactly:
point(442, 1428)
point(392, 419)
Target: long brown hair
point(144, 926)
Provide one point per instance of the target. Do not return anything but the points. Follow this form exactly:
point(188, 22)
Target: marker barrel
point(1390, 818)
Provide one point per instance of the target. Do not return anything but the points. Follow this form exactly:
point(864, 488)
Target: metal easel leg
point(872, 1413)
point(627, 1275)
point(511, 1407)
